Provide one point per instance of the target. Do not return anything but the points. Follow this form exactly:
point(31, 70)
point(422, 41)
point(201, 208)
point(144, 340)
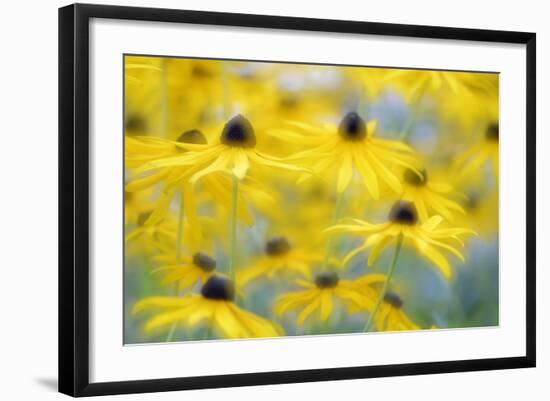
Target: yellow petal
point(326, 304)
point(436, 257)
point(241, 164)
point(345, 173)
point(308, 310)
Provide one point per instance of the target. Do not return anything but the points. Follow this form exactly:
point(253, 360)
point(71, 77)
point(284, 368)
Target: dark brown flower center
point(413, 178)
point(404, 212)
point(238, 132)
point(218, 288)
point(393, 299)
point(136, 124)
point(277, 246)
point(142, 218)
point(326, 280)
point(193, 136)
point(352, 127)
point(200, 71)
point(472, 201)
point(204, 261)
point(289, 102)
point(492, 132)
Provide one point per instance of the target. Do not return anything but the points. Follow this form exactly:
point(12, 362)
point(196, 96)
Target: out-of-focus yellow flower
point(391, 316)
point(373, 80)
point(151, 238)
point(143, 150)
point(366, 285)
point(233, 154)
point(190, 271)
point(143, 75)
point(280, 259)
point(214, 306)
point(135, 204)
point(426, 238)
point(321, 295)
point(351, 146)
point(415, 82)
point(486, 150)
point(467, 109)
point(481, 212)
point(429, 197)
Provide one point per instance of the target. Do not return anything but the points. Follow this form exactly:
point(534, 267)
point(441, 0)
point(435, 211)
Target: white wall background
point(28, 200)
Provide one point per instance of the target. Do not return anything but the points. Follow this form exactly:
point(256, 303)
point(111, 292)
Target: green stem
point(207, 334)
point(386, 283)
point(404, 133)
point(171, 333)
point(163, 101)
point(411, 118)
point(233, 227)
point(179, 240)
point(179, 236)
point(337, 213)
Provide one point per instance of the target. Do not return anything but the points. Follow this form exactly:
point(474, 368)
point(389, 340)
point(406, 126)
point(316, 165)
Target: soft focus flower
point(351, 147)
point(429, 197)
point(486, 150)
point(153, 237)
point(425, 237)
point(190, 271)
point(234, 154)
point(280, 258)
point(320, 295)
point(213, 307)
point(412, 82)
point(391, 316)
point(250, 186)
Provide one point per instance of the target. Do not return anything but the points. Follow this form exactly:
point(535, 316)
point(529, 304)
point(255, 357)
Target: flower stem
point(179, 236)
point(179, 239)
point(411, 118)
point(337, 213)
point(207, 334)
point(386, 283)
point(233, 227)
point(171, 333)
point(163, 101)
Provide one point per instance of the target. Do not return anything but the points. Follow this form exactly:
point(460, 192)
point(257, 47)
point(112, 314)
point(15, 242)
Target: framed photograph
point(250, 199)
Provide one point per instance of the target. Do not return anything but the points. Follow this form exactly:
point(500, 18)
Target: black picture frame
point(74, 198)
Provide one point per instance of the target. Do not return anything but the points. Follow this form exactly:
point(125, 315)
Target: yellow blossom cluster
point(271, 199)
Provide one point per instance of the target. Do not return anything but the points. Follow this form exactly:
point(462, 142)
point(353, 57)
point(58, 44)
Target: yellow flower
point(481, 211)
point(371, 79)
point(233, 154)
point(320, 295)
point(135, 204)
point(153, 237)
point(280, 258)
point(418, 82)
point(485, 150)
point(214, 306)
point(191, 270)
point(391, 316)
point(143, 150)
point(366, 285)
point(352, 147)
point(426, 238)
point(429, 196)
